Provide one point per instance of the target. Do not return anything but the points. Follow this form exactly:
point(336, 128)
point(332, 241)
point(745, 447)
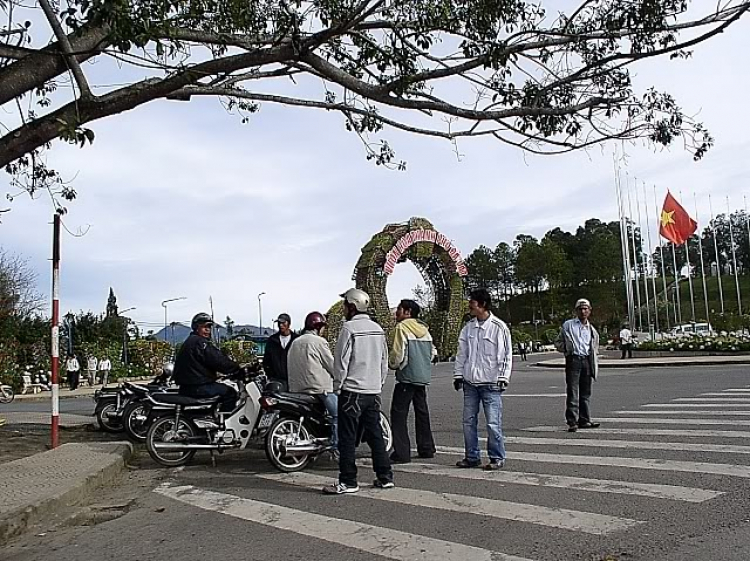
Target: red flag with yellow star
point(676, 224)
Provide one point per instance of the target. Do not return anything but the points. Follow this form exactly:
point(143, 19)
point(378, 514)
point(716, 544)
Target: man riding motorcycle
point(199, 363)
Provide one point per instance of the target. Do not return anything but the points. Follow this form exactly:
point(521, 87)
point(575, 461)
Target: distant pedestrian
point(360, 366)
point(91, 367)
point(105, 367)
point(73, 371)
point(626, 341)
point(482, 370)
point(277, 349)
point(579, 341)
point(522, 350)
point(411, 358)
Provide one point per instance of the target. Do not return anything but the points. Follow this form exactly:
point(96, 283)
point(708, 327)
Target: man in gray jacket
point(360, 365)
point(579, 342)
point(310, 368)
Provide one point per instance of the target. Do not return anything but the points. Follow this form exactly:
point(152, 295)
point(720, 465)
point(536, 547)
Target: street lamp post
point(260, 315)
point(166, 324)
point(125, 336)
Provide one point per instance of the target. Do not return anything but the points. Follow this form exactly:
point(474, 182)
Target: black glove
point(458, 384)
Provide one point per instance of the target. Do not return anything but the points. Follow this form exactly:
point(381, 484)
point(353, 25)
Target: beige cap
point(582, 302)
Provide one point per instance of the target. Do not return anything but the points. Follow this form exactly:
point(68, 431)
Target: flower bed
point(724, 343)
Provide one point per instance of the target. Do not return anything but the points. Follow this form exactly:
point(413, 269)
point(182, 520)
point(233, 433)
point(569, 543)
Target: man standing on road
point(310, 365)
point(105, 367)
point(360, 366)
point(73, 369)
point(626, 341)
point(411, 358)
point(579, 341)
point(277, 348)
point(91, 366)
point(482, 370)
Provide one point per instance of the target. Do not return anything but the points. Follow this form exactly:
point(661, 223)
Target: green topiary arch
point(441, 266)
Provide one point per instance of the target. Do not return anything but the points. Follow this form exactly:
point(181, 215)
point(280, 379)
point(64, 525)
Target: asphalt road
point(665, 478)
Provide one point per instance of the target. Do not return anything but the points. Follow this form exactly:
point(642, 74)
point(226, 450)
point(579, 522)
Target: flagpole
point(690, 275)
point(624, 244)
point(677, 286)
point(703, 268)
point(663, 266)
point(644, 273)
point(716, 253)
point(651, 256)
point(635, 256)
point(734, 260)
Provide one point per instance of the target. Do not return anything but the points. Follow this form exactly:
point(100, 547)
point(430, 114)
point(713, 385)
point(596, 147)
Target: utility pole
point(55, 435)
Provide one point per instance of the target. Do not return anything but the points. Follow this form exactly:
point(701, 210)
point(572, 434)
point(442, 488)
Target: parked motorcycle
point(302, 430)
point(180, 425)
point(7, 395)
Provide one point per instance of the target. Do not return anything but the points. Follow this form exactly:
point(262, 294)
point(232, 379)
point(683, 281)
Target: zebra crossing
point(527, 473)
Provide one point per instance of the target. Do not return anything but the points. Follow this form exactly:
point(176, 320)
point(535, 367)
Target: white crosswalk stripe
point(647, 432)
point(385, 542)
point(587, 522)
point(635, 463)
point(713, 399)
point(634, 444)
point(651, 490)
point(706, 413)
point(701, 405)
point(650, 421)
point(737, 390)
point(732, 393)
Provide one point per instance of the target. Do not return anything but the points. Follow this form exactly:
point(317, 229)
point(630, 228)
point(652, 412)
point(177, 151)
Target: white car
point(692, 329)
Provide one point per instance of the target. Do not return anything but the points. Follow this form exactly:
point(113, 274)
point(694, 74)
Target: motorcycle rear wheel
point(107, 424)
point(164, 431)
point(135, 419)
point(385, 426)
point(281, 430)
point(7, 395)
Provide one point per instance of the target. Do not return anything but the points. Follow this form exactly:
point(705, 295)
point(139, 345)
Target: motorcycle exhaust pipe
point(176, 447)
point(302, 448)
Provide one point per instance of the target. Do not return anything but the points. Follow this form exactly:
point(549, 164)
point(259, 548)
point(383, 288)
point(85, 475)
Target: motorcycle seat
point(300, 397)
point(177, 399)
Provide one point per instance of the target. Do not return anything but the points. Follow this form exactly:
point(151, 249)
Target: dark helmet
point(200, 319)
point(315, 320)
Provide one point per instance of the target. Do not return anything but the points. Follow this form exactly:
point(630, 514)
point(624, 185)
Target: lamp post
point(164, 305)
point(125, 336)
point(260, 315)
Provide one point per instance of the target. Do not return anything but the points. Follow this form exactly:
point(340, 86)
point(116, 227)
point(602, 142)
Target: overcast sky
point(181, 199)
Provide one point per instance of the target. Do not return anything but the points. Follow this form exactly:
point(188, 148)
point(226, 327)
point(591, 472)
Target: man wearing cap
point(579, 342)
point(277, 349)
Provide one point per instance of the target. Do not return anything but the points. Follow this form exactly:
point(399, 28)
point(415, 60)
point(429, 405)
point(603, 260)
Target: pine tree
point(111, 304)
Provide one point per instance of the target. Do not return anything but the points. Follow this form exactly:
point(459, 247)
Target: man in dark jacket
point(277, 348)
point(199, 362)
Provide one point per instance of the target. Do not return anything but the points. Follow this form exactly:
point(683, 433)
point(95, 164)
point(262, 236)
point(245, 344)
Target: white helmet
point(358, 298)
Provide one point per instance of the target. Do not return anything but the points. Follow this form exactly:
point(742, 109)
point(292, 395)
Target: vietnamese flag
point(676, 224)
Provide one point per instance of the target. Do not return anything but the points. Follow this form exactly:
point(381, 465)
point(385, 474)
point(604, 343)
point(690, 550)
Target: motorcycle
point(112, 403)
point(181, 425)
point(302, 430)
point(7, 395)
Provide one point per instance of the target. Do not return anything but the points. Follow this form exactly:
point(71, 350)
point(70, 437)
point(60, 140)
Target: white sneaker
point(339, 488)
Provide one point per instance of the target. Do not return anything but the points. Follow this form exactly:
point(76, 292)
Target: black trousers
point(403, 396)
point(627, 348)
point(228, 395)
point(356, 408)
point(73, 378)
point(578, 379)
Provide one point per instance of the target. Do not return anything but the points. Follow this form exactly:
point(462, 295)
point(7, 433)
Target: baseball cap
point(582, 302)
point(284, 318)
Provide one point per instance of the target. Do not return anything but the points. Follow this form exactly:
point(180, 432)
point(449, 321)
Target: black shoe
point(427, 456)
point(383, 484)
point(467, 463)
point(589, 425)
point(494, 465)
point(396, 460)
point(572, 428)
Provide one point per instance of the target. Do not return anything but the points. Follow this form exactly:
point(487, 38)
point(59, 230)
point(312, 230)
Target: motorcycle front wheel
point(166, 431)
point(283, 431)
point(103, 413)
point(135, 420)
point(7, 394)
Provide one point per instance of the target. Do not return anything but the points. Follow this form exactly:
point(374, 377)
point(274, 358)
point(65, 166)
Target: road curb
point(106, 461)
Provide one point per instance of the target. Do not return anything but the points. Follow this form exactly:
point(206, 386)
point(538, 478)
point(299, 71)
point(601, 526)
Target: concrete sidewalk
point(39, 485)
point(655, 362)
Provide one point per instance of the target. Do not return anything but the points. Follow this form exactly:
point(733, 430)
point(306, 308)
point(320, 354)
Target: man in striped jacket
point(482, 370)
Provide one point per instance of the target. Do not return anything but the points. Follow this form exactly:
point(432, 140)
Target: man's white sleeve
point(461, 355)
point(504, 355)
point(341, 357)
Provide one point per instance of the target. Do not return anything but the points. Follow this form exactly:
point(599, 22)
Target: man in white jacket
point(482, 370)
point(310, 369)
point(360, 365)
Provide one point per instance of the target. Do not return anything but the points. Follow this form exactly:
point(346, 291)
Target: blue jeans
point(491, 399)
point(331, 401)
